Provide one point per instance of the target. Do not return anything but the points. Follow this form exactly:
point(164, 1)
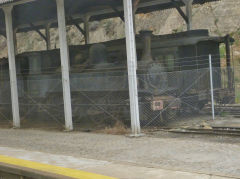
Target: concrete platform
point(41, 165)
point(44, 165)
point(157, 155)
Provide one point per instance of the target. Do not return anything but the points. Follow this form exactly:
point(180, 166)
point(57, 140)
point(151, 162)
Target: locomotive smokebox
point(147, 41)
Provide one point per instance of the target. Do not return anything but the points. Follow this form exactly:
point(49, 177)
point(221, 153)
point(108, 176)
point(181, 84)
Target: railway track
point(231, 129)
point(214, 131)
point(232, 109)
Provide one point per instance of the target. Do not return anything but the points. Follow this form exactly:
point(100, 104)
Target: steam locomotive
point(167, 66)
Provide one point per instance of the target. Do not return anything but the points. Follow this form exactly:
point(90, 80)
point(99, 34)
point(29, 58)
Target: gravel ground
point(194, 153)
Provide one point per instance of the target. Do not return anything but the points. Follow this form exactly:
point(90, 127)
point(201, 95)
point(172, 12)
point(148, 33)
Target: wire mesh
point(182, 95)
point(5, 103)
point(41, 101)
point(168, 96)
point(99, 99)
point(226, 101)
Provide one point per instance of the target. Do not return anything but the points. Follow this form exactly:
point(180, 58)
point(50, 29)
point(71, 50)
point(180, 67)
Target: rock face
point(220, 18)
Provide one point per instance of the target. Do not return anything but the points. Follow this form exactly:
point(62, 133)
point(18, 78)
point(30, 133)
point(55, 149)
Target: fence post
point(211, 84)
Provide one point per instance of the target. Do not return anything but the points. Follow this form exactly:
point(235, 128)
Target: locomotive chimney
point(147, 40)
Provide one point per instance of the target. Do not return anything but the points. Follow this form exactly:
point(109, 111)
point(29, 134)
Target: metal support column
point(48, 38)
point(12, 65)
point(86, 29)
point(132, 66)
point(188, 4)
point(15, 40)
point(64, 64)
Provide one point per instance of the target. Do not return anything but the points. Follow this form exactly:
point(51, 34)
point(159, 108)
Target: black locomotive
point(167, 66)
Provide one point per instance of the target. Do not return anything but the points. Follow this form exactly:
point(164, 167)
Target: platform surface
point(67, 166)
point(47, 165)
point(123, 157)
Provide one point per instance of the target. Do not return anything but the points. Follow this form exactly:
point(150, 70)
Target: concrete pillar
point(132, 66)
point(188, 4)
point(48, 37)
point(12, 66)
point(64, 64)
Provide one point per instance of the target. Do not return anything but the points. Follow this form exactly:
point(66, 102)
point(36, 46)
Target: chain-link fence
point(206, 95)
point(226, 102)
point(99, 99)
point(41, 101)
point(177, 94)
point(183, 95)
point(5, 100)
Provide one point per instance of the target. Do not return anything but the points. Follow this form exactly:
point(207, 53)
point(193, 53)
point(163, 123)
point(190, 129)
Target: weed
point(118, 129)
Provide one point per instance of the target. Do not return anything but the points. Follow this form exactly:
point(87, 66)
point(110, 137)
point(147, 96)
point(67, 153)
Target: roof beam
point(135, 5)
point(180, 11)
point(38, 31)
point(77, 25)
point(117, 11)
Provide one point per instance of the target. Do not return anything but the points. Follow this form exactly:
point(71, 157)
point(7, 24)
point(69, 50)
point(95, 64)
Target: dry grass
point(118, 129)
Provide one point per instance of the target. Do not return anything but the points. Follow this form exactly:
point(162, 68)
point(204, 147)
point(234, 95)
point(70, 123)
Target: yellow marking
point(51, 168)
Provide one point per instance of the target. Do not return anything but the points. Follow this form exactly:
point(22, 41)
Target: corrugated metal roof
point(5, 1)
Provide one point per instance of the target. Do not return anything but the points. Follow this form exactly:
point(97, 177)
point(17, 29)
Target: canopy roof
point(31, 14)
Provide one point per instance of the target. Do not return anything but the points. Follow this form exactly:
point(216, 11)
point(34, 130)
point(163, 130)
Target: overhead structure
point(44, 11)
point(36, 15)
